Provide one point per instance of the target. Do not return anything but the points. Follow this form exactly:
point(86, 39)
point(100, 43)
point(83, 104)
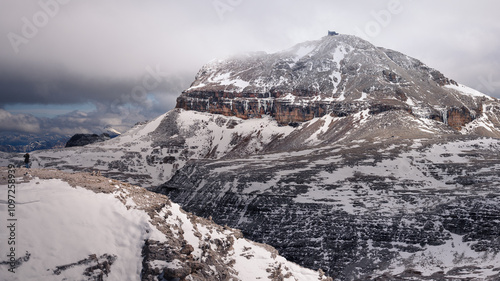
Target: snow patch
point(363, 97)
point(225, 79)
point(467, 91)
point(336, 76)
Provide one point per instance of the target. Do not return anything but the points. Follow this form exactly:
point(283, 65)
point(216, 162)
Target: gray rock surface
point(362, 210)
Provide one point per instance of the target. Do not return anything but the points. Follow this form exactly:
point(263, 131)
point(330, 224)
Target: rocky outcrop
point(391, 76)
point(441, 79)
point(282, 108)
point(183, 263)
point(84, 139)
point(96, 268)
point(457, 118)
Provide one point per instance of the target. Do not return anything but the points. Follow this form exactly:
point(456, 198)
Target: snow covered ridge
point(84, 227)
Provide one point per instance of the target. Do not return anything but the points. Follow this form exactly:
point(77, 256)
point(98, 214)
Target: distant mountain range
point(23, 142)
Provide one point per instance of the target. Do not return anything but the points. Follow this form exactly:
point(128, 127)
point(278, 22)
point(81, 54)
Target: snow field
point(58, 225)
point(454, 253)
point(464, 90)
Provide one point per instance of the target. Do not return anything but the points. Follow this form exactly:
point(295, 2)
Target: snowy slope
point(59, 225)
point(149, 154)
point(79, 233)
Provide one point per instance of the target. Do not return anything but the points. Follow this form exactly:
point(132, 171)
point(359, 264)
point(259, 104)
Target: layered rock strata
point(400, 210)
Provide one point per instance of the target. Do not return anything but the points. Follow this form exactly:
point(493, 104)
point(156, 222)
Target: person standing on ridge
point(27, 160)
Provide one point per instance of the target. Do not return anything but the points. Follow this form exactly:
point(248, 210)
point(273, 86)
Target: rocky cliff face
point(337, 75)
point(394, 209)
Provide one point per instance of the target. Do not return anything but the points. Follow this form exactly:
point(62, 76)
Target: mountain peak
point(339, 75)
point(284, 71)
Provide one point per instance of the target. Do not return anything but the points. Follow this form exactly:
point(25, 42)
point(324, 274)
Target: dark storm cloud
point(63, 87)
point(59, 88)
point(131, 59)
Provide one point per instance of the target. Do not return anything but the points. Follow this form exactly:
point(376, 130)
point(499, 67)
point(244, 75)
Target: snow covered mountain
point(339, 75)
point(344, 156)
point(84, 227)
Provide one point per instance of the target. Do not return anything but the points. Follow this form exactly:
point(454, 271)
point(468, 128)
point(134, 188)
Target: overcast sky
point(72, 66)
